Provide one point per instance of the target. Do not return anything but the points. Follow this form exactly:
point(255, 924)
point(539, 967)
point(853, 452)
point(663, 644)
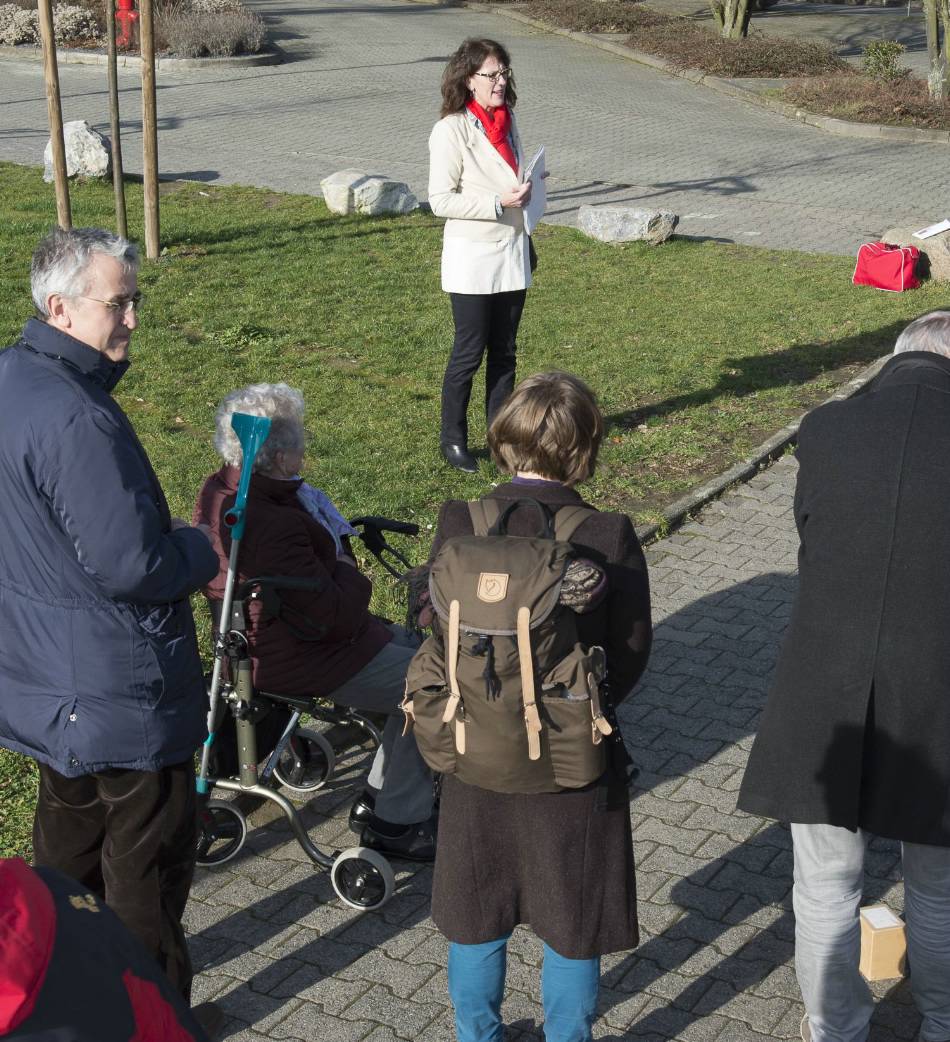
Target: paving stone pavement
point(288, 961)
point(359, 87)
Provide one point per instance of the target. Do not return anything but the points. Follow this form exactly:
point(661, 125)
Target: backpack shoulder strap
point(484, 513)
point(568, 519)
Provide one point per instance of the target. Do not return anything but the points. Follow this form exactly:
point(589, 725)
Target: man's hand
point(518, 197)
point(177, 523)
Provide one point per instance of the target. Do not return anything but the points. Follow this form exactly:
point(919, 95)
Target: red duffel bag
point(885, 266)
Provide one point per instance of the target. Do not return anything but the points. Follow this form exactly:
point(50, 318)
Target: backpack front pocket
point(575, 758)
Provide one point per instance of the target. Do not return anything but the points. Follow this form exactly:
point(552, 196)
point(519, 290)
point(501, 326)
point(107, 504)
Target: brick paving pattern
point(288, 961)
point(360, 88)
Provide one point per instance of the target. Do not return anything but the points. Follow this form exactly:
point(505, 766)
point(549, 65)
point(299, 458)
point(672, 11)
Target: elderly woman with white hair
point(294, 529)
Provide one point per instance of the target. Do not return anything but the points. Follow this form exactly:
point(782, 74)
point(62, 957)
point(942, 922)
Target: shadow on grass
point(793, 366)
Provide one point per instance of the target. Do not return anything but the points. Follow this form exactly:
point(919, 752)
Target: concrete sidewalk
point(287, 961)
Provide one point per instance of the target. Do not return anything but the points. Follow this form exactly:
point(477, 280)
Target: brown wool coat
point(560, 862)
point(281, 538)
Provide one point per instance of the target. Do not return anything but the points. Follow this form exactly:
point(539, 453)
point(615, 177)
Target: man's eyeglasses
point(494, 76)
point(119, 307)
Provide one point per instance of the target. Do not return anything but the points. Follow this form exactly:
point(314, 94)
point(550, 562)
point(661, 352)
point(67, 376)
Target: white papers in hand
point(535, 206)
point(933, 229)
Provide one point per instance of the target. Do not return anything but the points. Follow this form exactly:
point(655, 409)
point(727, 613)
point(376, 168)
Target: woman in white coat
point(474, 181)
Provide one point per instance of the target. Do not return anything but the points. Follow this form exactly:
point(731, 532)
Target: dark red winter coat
point(281, 538)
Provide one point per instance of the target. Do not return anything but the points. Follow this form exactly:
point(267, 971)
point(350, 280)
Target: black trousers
point(483, 321)
point(130, 837)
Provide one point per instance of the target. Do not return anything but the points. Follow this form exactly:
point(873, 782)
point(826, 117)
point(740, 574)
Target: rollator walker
point(303, 760)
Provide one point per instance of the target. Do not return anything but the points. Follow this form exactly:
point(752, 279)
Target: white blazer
point(481, 252)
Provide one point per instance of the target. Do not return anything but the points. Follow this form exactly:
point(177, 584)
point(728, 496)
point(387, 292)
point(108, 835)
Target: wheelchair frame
point(362, 878)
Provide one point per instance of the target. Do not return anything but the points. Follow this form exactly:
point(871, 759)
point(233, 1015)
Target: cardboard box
point(883, 944)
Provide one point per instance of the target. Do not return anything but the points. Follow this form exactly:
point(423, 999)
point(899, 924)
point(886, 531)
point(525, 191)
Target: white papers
point(535, 206)
point(933, 229)
point(880, 917)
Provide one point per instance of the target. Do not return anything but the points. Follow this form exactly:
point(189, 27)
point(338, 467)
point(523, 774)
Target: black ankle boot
point(459, 457)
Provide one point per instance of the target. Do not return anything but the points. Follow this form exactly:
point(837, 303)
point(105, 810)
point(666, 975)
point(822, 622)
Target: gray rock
point(353, 191)
point(936, 249)
point(88, 153)
point(626, 224)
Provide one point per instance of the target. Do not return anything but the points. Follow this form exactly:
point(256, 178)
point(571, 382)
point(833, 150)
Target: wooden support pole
point(55, 110)
point(118, 185)
point(149, 129)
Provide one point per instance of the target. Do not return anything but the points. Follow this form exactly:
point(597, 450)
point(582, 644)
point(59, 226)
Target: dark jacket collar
point(262, 487)
point(45, 339)
point(915, 367)
point(553, 494)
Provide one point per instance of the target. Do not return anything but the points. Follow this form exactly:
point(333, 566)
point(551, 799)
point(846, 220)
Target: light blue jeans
point(477, 986)
point(829, 876)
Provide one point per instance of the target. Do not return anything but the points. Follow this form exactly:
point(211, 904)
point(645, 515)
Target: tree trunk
point(732, 17)
point(935, 18)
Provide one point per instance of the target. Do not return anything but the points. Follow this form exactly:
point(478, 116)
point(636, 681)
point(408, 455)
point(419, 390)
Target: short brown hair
point(466, 61)
point(551, 425)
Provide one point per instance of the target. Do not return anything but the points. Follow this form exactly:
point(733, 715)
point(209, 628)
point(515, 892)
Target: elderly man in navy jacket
point(100, 678)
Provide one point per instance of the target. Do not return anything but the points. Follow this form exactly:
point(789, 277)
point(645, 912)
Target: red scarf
point(497, 124)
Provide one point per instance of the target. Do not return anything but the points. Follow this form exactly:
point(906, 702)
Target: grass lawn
point(696, 350)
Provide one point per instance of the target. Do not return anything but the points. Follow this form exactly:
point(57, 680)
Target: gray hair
point(930, 332)
point(61, 261)
point(285, 407)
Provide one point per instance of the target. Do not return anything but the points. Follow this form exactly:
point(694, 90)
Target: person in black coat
point(855, 738)
point(561, 862)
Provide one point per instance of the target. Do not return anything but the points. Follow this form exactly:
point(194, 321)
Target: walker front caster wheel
point(362, 878)
point(307, 762)
point(222, 830)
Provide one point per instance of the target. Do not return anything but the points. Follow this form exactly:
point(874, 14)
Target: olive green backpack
point(503, 694)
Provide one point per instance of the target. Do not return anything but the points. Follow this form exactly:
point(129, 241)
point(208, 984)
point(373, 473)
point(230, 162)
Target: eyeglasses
point(118, 307)
point(494, 76)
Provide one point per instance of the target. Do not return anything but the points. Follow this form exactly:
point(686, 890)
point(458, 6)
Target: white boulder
point(936, 249)
point(353, 191)
point(612, 223)
point(88, 153)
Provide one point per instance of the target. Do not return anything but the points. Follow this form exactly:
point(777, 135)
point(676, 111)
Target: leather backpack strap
point(484, 513)
point(568, 519)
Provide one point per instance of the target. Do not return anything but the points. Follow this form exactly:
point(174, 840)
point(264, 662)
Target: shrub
point(214, 6)
point(594, 16)
point(18, 25)
point(197, 34)
point(71, 23)
point(901, 101)
point(881, 59)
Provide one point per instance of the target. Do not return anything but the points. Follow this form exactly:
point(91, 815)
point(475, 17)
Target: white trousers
point(829, 877)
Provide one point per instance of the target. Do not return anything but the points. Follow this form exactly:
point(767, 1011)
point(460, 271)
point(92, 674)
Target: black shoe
point(362, 811)
point(459, 457)
point(415, 843)
point(210, 1017)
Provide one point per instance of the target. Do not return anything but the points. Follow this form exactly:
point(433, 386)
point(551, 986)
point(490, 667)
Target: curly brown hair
point(466, 61)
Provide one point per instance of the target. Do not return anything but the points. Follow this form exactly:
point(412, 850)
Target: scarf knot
point(497, 125)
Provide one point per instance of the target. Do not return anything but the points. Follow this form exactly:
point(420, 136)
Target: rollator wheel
point(307, 762)
point(362, 878)
point(222, 832)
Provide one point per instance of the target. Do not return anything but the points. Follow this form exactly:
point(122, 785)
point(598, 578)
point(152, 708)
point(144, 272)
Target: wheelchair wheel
point(307, 762)
point(362, 878)
point(222, 830)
